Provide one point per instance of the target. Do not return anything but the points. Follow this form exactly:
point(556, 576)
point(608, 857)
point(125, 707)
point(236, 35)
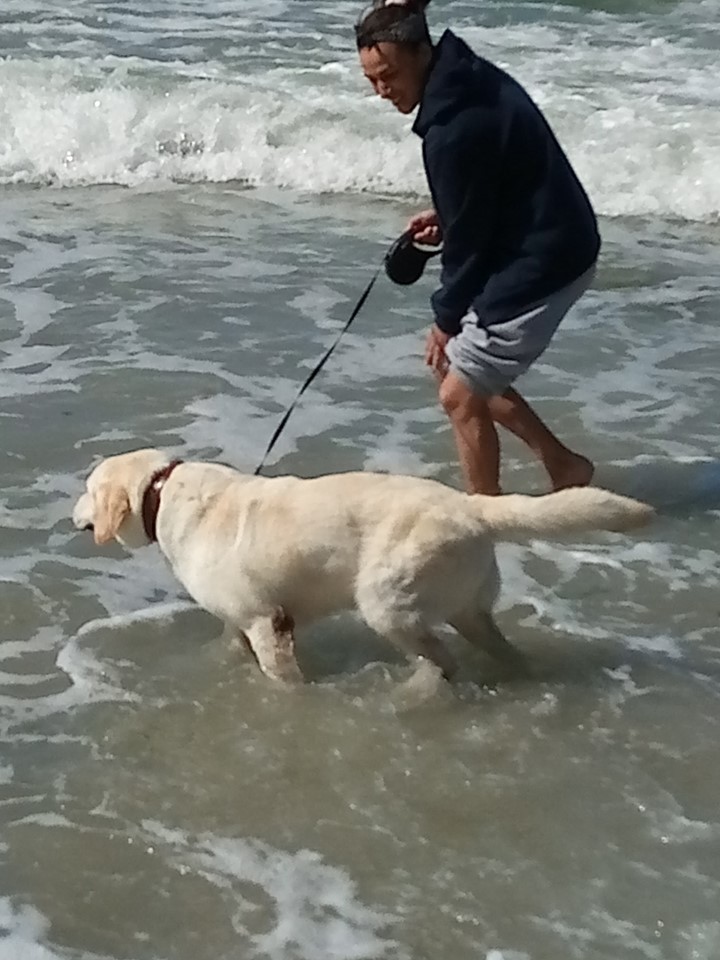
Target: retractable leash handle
point(405, 260)
point(404, 263)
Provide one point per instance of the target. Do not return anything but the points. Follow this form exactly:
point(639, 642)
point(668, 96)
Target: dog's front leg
point(237, 639)
point(273, 642)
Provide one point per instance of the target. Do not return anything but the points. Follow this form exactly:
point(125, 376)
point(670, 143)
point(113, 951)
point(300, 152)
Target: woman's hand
point(425, 228)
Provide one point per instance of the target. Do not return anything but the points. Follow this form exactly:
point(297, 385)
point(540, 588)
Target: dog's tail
point(566, 511)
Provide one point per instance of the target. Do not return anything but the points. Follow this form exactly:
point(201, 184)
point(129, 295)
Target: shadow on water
point(671, 486)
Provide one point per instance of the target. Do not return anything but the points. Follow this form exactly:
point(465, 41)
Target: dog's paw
point(288, 674)
point(426, 683)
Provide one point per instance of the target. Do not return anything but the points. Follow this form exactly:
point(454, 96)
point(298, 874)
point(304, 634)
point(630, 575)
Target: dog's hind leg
point(479, 628)
point(401, 623)
point(423, 644)
point(272, 641)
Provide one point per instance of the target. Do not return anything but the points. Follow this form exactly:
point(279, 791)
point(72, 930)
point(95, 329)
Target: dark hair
point(395, 22)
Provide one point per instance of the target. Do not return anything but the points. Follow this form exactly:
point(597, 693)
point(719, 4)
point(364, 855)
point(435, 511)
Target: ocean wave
point(76, 122)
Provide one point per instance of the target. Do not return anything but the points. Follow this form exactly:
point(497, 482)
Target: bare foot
point(572, 471)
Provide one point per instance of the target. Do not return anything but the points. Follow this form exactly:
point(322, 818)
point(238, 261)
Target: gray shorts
point(489, 358)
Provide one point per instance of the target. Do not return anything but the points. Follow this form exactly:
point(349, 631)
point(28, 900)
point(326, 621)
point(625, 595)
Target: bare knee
point(460, 403)
point(502, 405)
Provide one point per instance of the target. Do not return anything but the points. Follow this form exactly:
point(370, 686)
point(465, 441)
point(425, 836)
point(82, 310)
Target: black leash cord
point(279, 429)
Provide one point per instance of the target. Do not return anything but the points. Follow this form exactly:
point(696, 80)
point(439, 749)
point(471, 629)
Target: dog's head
point(112, 505)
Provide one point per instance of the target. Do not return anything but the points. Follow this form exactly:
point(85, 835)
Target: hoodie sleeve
point(461, 162)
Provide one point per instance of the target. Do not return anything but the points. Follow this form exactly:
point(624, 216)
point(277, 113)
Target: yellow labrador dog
point(267, 555)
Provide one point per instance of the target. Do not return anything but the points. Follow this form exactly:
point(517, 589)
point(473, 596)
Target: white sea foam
point(507, 955)
point(22, 932)
point(631, 105)
point(93, 679)
point(163, 612)
point(701, 941)
point(317, 911)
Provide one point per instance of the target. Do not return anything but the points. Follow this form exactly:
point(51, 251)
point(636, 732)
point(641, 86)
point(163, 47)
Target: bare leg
point(565, 468)
point(475, 435)
point(273, 643)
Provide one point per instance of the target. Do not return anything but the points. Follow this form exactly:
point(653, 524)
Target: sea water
point(193, 196)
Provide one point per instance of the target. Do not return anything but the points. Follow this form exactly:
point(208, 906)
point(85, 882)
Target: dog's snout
point(89, 526)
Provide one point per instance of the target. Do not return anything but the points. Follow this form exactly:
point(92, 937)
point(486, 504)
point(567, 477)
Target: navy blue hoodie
point(517, 224)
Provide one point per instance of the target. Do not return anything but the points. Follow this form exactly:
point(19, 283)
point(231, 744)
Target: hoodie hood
point(457, 78)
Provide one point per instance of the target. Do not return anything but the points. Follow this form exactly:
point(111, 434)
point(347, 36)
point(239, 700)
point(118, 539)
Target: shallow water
point(158, 798)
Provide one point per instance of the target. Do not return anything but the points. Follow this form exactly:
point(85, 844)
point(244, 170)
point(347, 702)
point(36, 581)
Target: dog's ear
point(111, 506)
